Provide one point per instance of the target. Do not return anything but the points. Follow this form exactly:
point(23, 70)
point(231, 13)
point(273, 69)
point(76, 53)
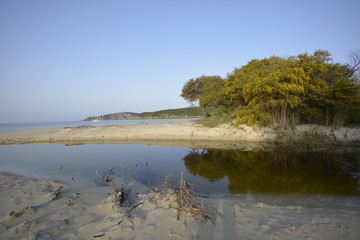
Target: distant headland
point(190, 112)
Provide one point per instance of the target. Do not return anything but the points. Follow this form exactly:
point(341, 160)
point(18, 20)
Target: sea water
point(30, 125)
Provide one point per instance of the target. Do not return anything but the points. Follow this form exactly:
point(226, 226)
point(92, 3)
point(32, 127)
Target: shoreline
point(48, 209)
point(186, 133)
point(173, 133)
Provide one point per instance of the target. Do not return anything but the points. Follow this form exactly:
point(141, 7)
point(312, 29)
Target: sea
point(31, 125)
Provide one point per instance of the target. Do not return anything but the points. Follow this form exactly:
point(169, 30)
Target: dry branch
point(188, 201)
point(117, 192)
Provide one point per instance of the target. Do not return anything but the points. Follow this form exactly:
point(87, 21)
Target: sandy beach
point(177, 133)
point(45, 209)
point(35, 209)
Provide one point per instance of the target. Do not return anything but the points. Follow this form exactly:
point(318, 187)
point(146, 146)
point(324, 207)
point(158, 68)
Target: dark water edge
point(289, 173)
point(272, 176)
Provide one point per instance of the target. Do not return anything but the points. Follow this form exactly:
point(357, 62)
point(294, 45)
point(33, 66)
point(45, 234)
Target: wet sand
point(35, 209)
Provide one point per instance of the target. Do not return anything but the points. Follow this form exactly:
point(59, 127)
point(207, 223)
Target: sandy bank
point(33, 209)
point(177, 133)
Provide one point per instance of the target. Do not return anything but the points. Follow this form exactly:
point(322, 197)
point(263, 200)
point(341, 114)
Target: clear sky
point(69, 59)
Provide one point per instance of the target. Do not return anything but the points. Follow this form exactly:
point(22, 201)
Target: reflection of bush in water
point(276, 172)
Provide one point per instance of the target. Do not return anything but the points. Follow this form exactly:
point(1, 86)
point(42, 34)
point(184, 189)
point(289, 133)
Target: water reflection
point(278, 172)
point(210, 171)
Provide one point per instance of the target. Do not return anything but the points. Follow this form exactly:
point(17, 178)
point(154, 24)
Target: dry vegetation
point(188, 201)
point(181, 198)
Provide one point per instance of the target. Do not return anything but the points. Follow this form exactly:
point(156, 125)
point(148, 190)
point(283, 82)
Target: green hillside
point(174, 113)
point(191, 112)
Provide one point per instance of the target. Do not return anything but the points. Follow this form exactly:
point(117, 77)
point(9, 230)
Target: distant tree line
point(299, 89)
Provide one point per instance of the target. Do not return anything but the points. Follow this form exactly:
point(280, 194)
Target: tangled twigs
point(182, 198)
point(188, 201)
point(117, 192)
point(185, 199)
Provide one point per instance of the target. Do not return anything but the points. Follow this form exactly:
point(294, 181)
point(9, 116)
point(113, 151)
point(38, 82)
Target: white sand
point(29, 210)
point(178, 133)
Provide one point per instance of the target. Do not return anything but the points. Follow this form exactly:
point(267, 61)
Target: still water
point(212, 172)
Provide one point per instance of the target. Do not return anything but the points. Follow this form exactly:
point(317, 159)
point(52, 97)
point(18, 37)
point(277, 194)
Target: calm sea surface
point(319, 176)
point(14, 126)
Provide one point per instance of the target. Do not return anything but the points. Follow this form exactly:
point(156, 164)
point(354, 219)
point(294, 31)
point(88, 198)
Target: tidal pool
point(212, 172)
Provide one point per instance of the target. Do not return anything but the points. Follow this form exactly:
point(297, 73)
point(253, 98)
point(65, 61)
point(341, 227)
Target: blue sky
point(69, 59)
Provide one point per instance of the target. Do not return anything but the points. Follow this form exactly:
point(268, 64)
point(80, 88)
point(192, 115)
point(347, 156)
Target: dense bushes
point(303, 89)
